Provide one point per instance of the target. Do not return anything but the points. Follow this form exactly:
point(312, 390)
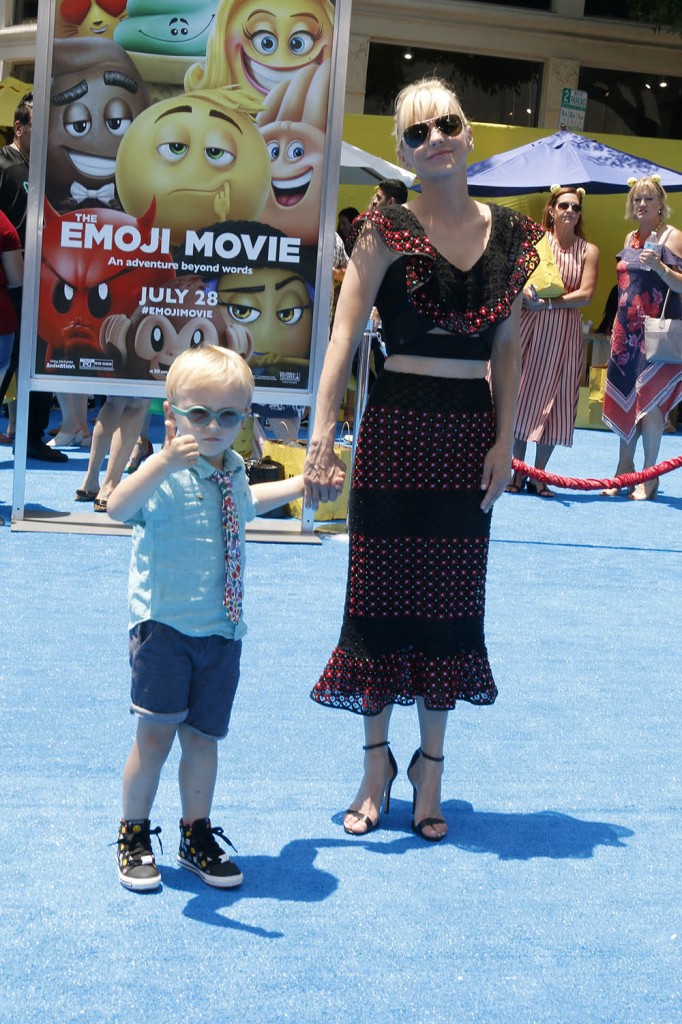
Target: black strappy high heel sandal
point(386, 799)
point(419, 826)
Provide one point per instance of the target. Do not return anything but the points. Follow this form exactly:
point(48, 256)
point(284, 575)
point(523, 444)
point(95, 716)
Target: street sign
point(573, 107)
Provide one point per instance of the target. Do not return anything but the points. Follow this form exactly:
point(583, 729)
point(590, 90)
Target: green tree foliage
point(664, 14)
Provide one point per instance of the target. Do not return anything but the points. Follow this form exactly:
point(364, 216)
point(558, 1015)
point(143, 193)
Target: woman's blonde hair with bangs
point(429, 97)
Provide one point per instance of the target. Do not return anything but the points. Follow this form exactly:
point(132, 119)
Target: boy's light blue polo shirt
point(177, 565)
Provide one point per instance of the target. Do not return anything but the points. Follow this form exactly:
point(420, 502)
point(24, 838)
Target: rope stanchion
point(590, 483)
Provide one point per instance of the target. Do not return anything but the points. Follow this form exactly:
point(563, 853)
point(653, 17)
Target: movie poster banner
point(183, 185)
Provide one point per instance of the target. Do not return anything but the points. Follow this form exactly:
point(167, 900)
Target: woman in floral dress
point(639, 394)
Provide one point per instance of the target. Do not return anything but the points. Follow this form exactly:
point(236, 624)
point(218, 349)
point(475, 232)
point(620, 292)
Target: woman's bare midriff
point(465, 369)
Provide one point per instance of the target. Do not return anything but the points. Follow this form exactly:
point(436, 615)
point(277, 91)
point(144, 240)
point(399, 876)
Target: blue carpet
point(554, 900)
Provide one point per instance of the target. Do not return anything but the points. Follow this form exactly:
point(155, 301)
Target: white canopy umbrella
point(358, 167)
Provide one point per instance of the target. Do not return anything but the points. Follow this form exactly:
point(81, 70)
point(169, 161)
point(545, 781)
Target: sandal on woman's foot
point(539, 490)
point(142, 450)
point(100, 504)
point(357, 815)
point(82, 495)
point(516, 485)
point(419, 826)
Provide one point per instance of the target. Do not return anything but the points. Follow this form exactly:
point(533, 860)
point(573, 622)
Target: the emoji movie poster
point(183, 184)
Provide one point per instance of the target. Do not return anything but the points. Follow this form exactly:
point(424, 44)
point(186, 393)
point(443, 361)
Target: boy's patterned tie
point(233, 551)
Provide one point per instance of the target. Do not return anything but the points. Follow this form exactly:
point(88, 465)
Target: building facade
point(509, 61)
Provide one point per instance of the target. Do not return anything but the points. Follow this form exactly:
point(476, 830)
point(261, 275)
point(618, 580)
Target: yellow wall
point(605, 223)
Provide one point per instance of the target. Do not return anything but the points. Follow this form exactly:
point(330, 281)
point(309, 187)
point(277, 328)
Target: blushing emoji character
point(258, 47)
point(89, 18)
point(200, 156)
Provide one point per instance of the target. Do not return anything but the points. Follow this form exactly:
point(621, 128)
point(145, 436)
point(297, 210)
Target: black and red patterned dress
point(413, 618)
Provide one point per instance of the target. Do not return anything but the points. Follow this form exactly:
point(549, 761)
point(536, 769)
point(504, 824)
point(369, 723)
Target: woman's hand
point(650, 260)
point(323, 475)
point(532, 301)
point(496, 474)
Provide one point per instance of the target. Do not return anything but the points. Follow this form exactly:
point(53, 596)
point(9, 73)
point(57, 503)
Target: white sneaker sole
point(141, 884)
point(229, 882)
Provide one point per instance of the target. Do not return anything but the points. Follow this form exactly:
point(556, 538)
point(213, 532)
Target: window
point(491, 89)
point(627, 103)
point(25, 10)
point(616, 9)
point(24, 72)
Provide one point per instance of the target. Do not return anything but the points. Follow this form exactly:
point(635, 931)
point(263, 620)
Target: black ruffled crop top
point(422, 290)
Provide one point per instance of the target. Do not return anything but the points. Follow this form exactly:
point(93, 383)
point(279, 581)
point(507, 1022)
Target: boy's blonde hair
point(430, 97)
point(206, 364)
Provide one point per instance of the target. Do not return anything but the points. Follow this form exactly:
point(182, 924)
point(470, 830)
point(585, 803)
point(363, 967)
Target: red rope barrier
point(589, 483)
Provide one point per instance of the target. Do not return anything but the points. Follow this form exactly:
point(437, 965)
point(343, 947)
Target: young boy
point(188, 505)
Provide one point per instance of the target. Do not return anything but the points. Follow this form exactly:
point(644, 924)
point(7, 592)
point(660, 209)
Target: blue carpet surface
point(555, 898)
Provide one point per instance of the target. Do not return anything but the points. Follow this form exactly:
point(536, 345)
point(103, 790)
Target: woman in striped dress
point(551, 340)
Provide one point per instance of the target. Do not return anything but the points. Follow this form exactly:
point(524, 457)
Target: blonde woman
point(551, 339)
point(639, 394)
point(434, 450)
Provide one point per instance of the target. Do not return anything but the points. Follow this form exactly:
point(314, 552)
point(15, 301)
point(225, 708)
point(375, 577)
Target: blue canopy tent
point(566, 158)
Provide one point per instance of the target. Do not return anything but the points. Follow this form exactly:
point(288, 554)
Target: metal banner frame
point(30, 380)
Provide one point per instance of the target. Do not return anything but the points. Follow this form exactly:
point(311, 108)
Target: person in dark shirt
point(13, 201)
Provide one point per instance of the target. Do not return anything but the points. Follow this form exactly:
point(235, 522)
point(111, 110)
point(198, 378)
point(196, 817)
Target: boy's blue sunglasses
point(199, 416)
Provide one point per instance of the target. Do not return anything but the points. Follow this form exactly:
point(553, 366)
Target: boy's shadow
point(291, 876)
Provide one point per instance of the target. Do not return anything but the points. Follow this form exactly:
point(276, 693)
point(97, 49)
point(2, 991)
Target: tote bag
point(663, 337)
point(546, 278)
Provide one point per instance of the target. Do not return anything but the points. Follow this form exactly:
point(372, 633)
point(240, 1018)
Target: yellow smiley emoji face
point(200, 156)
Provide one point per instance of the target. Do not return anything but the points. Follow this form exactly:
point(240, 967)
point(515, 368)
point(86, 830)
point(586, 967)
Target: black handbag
point(266, 471)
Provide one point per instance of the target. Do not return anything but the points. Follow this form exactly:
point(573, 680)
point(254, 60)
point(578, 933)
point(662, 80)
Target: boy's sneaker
point(199, 852)
point(136, 865)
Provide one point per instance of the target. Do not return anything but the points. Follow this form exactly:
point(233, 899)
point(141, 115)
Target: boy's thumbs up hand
point(181, 450)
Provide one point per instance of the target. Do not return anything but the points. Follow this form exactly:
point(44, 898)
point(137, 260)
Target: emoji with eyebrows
point(275, 303)
point(258, 45)
point(95, 94)
point(89, 18)
point(293, 126)
point(202, 158)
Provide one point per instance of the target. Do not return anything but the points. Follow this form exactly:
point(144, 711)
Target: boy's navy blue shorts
point(180, 678)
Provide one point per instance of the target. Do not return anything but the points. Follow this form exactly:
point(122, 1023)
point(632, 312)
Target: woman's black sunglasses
point(448, 124)
point(569, 206)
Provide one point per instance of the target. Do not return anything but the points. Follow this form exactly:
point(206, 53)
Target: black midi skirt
point(418, 551)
